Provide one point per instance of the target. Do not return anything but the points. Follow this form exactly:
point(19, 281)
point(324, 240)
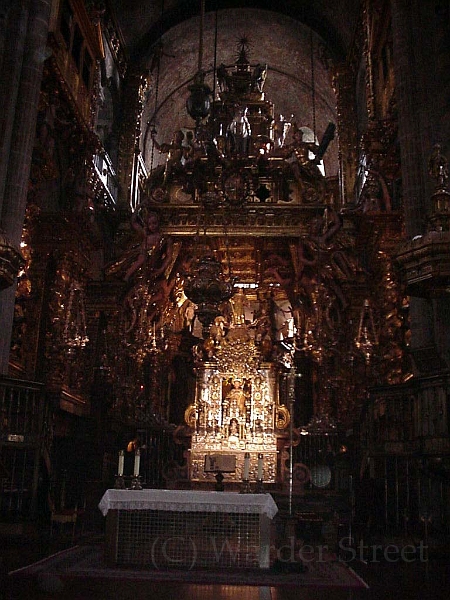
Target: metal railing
point(23, 419)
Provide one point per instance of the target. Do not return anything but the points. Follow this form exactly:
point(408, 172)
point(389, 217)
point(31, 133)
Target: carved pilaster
point(382, 163)
point(115, 42)
point(11, 261)
point(367, 52)
point(344, 83)
point(132, 107)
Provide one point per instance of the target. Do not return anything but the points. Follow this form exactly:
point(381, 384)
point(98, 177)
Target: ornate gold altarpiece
point(236, 411)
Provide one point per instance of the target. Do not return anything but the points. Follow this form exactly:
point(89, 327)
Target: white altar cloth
point(188, 501)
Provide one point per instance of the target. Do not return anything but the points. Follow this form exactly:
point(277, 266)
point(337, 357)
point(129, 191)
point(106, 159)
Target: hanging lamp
point(366, 338)
point(198, 104)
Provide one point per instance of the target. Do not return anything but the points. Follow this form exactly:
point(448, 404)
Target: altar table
point(187, 529)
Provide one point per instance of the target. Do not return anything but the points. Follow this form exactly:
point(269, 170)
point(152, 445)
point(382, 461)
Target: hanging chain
point(214, 76)
point(158, 69)
point(200, 42)
point(227, 247)
point(313, 85)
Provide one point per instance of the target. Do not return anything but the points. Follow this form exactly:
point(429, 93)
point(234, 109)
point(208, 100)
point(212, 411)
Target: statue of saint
point(300, 162)
point(259, 77)
point(281, 129)
point(217, 330)
point(239, 131)
point(238, 302)
point(438, 167)
point(234, 428)
point(175, 153)
point(181, 316)
point(236, 398)
point(222, 78)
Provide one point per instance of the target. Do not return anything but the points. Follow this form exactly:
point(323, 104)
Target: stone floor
point(393, 568)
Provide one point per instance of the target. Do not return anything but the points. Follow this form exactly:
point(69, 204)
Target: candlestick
point(121, 463)
point(137, 462)
point(259, 489)
point(119, 483)
point(260, 466)
point(219, 487)
point(245, 487)
point(136, 483)
point(246, 465)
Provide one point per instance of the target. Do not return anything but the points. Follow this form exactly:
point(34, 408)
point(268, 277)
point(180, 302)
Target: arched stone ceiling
point(143, 21)
point(296, 85)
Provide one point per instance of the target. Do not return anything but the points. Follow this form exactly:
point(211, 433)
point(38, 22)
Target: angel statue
point(152, 254)
point(144, 268)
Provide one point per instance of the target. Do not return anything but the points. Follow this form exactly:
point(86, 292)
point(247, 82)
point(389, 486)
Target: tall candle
point(246, 465)
point(121, 462)
point(260, 466)
point(137, 462)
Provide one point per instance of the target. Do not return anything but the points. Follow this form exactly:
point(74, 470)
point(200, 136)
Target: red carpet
point(86, 562)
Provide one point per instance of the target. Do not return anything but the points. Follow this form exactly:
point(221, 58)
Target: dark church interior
point(224, 299)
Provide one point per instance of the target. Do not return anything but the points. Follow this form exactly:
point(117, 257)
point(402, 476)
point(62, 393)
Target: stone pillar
point(415, 86)
point(412, 35)
point(16, 20)
point(30, 52)
point(442, 60)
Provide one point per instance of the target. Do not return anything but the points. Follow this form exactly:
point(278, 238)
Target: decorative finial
point(244, 49)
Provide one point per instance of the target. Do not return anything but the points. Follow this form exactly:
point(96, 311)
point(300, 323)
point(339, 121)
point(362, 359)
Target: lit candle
point(290, 328)
point(137, 462)
point(246, 465)
point(121, 461)
point(260, 466)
